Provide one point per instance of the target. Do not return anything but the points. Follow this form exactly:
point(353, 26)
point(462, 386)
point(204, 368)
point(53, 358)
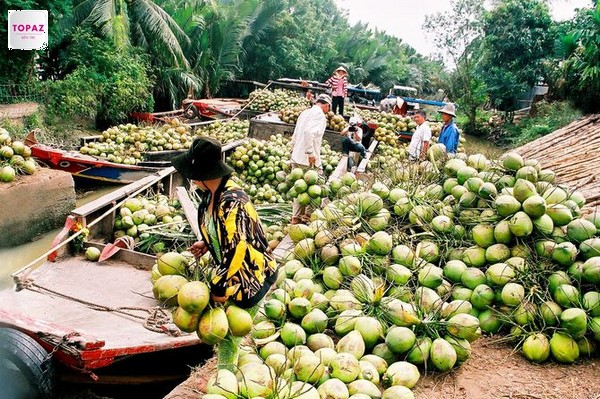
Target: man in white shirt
point(352, 140)
point(306, 144)
point(419, 143)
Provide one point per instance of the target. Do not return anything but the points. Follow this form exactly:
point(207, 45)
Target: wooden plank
point(190, 211)
point(370, 151)
point(283, 248)
point(340, 169)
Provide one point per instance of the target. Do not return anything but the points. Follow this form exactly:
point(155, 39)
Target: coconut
point(185, 321)
point(398, 274)
point(273, 348)
point(299, 307)
point(560, 214)
point(527, 173)
point(349, 266)
point(430, 276)
point(474, 256)
point(166, 288)
point(403, 255)
point(377, 362)
point(512, 294)
point(333, 389)
point(326, 355)
point(442, 224)
point(352, 343)
point(346, 320)
point(594, 326)
point(497, 253)
point(458, 191)
point(213, 326)
point(305, 249)
point(333, 277)
point(364, 387)
point(380, 243)
point(396, 194)
point(564, 348)
point(304, 287)
point(520, 225)
point(520, 250)
point(483, 235)
point(506, 205)
point(464, 173)
point(442, 355)
point(525, 313)
point(274, 309)
point(456, 306)
point(421, 214)
point(587, 347)
point(523, 189)
point(239, 320)
point(319, 341)
point(482, 297)
point(574, 322)
point(256, 380)
point(368, 371)
point(502, 233)
point(368, 204)
point(591, 303)
point(556, 279)
point(489, 321)
point(454, 269)
point(400, 339)
point(513, 161)
point(544, 225)
point(402, 373)
point(370, 329)
point(398, 392)
point(403, 206)
point(564, 253)
point(308, 368)
point(566, 295)
point(534, 206)
point(499, 274)
point(172, 263)
point(263, 330)
point(536, 348)
point(314, 321)
point(590, 248)
point(292, 334)
point(468, 200)
point(472, 277)
point(224, 383)
point(555, 195)
point(382, 351)
point(345, 367)
point(550, 312)
point(580, 230)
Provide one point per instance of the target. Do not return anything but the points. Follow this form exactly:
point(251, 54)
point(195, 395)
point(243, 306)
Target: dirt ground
point(493, 372)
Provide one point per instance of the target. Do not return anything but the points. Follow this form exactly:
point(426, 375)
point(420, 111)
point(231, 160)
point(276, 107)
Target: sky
point(405, 18)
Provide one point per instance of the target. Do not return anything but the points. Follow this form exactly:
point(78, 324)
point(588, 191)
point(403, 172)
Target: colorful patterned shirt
point(245, 266)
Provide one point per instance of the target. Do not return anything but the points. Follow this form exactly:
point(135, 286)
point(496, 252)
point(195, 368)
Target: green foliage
point(516, 41)
point(106, 83)
point(549, 116)
point(580, 72)
point(458, 33)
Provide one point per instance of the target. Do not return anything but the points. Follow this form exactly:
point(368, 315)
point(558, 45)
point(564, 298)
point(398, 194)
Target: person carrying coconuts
point(231, 231)
point(306, 146)
point(449, 134)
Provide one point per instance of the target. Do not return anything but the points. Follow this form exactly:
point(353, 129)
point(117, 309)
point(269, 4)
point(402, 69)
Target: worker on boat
point(231, 231)
point(449, 135)
point(230, 227)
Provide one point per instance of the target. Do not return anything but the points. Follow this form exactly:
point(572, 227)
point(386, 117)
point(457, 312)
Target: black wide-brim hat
point(203, 161)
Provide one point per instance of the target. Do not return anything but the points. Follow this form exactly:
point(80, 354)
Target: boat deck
point(100, 336)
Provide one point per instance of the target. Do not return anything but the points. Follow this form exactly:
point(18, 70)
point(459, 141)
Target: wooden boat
point(87, 166)
point(86, 315)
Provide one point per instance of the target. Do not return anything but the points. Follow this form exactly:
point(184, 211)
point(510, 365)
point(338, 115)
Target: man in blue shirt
point(449, 134)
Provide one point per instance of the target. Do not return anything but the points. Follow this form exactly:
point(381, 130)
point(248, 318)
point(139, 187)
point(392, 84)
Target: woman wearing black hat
point(231, 231)
point(229, 226)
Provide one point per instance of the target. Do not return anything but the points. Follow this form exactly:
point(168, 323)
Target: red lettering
point(14, 28)
point(41, 27)
point(21, 28)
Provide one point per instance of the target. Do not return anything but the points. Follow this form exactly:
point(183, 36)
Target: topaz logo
point(27, 29)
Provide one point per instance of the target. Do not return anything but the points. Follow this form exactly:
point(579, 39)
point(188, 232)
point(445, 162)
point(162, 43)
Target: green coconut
point(520, 225)
point(499, 274)
point(513, 294)
point(544, 225)
point(564, 348)
point(472, 277)
point(453, 270)
point(419, 354)
point(580, 230)
point(534, 206)
point(550, 312)
point(403, 255)
point(564, 253)
point(497, 253)
point(483, 235)
point(489, 321)
point(556, 279)
point(523, 189)
point(590, 248)
point(506, 205)
point(474, 256)
point(555, 195)
point(442, 355)
point(566, 295)
point(502, 233)
point(482, 297)
point(400, 339)
point(527, 173)
point(591, 270)
point(561, 215)
point(574, 322)
point(513, 161)
point(536, 348)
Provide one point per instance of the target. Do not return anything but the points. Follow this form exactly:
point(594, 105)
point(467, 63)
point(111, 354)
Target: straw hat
point(341, 68)
point(448, 109)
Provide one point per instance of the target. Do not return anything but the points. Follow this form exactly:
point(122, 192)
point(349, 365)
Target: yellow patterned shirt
point(246, 266)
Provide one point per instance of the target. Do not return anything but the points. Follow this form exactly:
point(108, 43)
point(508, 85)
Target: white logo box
point(27, 29)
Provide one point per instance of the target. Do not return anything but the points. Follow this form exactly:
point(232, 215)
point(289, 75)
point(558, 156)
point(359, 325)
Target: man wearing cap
point(339, 89)
point(306, 144)
point(449, 134)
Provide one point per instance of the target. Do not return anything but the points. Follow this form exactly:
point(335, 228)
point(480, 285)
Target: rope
point(157, 319)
